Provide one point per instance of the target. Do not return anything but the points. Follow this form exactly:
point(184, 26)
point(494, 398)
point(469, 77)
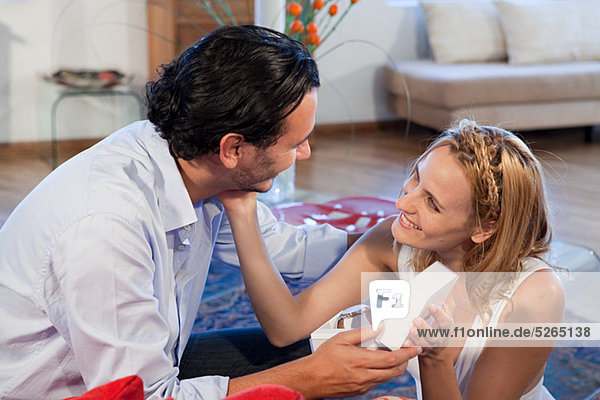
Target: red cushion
point(128, 388)
point(132, 388)
point(267, 392)
point(392, 398)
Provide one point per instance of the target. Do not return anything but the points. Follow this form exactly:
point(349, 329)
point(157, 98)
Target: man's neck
point(203, 178)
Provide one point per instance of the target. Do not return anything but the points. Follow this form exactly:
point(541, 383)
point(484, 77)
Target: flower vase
point(271, 13)
point(283, 188)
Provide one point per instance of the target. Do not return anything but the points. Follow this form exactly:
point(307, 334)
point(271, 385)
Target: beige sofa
point(519, 64)
point(516, 97)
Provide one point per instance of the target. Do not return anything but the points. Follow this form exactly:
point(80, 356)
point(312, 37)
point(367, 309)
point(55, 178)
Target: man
point(103, 265)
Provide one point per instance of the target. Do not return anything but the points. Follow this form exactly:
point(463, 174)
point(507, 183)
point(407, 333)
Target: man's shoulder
point(121, 173)
point(137, 142)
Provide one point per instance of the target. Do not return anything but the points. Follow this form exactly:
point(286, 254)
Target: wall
point(351, 73)
point(5, 72)
point(38, 37)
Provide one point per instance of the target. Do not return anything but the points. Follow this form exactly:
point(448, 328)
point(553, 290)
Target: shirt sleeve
point(119, 314)
point(299, 252)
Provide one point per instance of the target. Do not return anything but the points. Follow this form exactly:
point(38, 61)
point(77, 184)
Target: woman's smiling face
point(435, 207)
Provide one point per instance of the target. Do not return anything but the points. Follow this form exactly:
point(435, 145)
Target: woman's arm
point(286, 318)
point(299, 252)
point(438, 378)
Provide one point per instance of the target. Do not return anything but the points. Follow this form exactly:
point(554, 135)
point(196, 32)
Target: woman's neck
point(455, 258)
point(454, 262)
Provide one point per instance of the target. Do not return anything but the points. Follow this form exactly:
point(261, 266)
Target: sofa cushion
point(449, 40)
point(464, 85)
point(550, 31)
point(519, 116)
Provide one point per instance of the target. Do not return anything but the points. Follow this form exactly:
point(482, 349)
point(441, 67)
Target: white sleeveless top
point(472, 350)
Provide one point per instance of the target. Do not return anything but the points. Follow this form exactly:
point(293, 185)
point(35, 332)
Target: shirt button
point(181, 247)
point(187, 227)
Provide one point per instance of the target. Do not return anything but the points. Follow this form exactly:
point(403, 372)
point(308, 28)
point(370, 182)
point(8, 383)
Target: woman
point(473, 201)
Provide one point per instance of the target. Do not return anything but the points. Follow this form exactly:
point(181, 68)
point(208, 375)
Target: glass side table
point(79, 92)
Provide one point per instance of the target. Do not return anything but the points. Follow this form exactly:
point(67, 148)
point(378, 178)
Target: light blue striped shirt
point(103, 265)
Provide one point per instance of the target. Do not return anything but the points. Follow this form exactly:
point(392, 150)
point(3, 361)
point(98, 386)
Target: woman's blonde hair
point(508, 190)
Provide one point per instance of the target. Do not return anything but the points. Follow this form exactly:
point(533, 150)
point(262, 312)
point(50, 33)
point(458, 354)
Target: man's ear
point(484, 232)
point(230, 149)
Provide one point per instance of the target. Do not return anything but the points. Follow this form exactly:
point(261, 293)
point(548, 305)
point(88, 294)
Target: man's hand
point(341, 368)
point(338, 368)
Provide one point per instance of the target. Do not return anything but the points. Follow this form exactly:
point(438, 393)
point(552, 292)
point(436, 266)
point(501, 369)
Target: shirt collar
point(174, 200)
point(213, 205)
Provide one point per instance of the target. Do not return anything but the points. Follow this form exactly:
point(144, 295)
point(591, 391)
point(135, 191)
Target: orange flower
point(313, 39)
point(295, 9)
point(297, 26)
point(300, 19)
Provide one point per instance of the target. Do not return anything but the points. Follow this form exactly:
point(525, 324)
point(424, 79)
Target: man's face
point(291, 146)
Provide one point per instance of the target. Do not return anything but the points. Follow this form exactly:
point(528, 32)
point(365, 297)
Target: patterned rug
point(572, 373)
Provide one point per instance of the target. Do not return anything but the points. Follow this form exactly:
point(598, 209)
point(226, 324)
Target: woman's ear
point(230, 149)
point(484, 232)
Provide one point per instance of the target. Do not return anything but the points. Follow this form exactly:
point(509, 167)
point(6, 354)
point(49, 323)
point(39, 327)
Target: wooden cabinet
point(173, 25)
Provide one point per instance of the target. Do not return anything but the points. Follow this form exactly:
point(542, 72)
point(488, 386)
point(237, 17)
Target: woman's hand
point(433, 344)
point(436, 363)
point(238, 201)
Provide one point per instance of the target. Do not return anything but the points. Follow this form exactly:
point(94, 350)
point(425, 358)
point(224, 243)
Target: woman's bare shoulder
point(539, 298)
point(378, 242)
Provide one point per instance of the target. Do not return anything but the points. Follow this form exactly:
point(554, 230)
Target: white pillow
point(464, 31)
point(551, 30)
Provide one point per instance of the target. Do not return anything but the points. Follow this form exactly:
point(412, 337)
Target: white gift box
point(431, 286)
point(329, 328)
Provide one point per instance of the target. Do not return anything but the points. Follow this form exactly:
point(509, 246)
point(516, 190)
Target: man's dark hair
point(242, 79)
